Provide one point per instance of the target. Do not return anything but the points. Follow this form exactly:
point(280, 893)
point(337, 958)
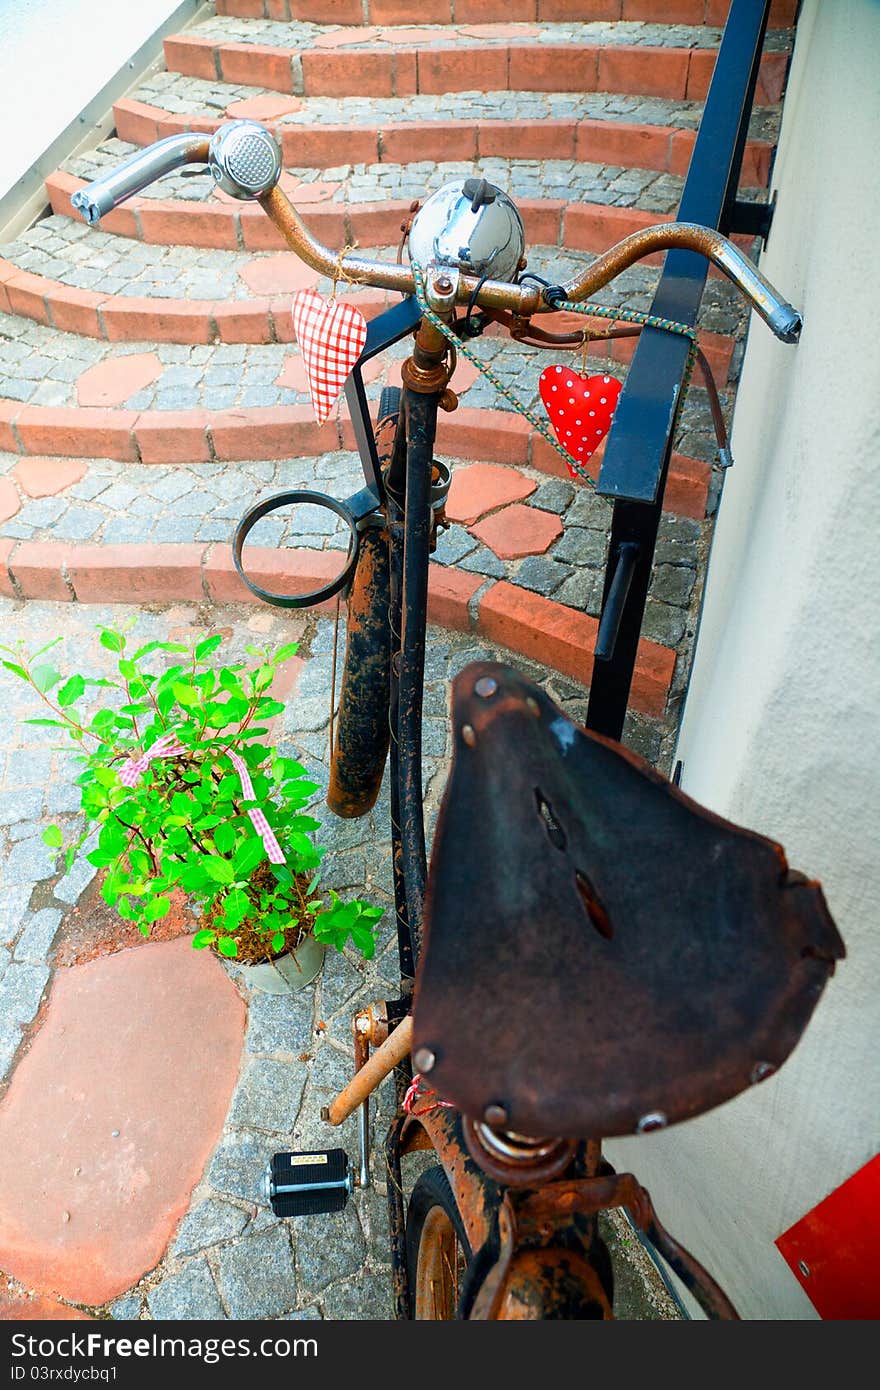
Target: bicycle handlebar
point(236, 155)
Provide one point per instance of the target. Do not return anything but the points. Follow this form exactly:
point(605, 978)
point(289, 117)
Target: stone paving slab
point(111, 1116)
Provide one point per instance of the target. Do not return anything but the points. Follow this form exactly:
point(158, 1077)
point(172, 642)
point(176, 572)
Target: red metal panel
point(834, 1251)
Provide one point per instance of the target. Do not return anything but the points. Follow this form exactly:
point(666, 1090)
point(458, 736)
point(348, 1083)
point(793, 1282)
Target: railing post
point(639, 447)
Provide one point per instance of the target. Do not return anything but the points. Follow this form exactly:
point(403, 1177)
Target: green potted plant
point(180, 792)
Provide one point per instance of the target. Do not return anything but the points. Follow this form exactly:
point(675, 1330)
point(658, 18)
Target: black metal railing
point(639, 449)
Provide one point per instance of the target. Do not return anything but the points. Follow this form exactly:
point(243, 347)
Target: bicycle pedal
point(305, 1184)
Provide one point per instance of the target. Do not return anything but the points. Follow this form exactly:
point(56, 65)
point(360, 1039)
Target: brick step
point(390, 12)
point(319, 133)
point(261, 320)
point(525, 623)
point(228, 225)
point(522, 557)
point(299, 59)
point(284, 432)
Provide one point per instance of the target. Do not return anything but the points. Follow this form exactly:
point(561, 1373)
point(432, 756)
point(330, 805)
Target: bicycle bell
point(244, 159)
point(472, 225)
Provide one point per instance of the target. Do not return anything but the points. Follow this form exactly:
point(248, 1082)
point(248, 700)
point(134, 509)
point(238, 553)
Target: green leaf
point(203, 938)
point(277, 941)
point(47, 646)
point(159, 647)
point(164, 701)
point(227, 947)
point(113, 641)
point(16, 670)
point(44, 677)
point(69, 857)
point(185, 695)
point(225, 837)
point(209, 645)
point(248, 856)
point(127, 669)
point(182, 805)
point(157, 908)
point(220, 870)
point(70, 691)
point(287, 651)
point(48, 723)
point(267, 707)
point(52, 837)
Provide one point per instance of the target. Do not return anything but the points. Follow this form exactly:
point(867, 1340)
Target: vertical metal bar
point(387, 328)
point(636, 462)
point(420, 411)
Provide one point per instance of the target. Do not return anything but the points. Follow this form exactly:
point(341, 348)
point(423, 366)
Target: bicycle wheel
point(437, 1249)
point(361, 744)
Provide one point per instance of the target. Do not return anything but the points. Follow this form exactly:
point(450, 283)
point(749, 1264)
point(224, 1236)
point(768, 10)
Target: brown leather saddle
point(601, 955)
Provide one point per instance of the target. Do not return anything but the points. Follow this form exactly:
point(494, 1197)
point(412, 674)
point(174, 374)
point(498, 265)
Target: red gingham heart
point(580, 408)
point(331, 337)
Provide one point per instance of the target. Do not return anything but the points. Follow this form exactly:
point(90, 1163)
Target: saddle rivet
point(468, 735)
point(655, 1119)
point(424, 1060)
point(495, 1115)
point(760, 1071)
point(533, 707)
point(485, 687)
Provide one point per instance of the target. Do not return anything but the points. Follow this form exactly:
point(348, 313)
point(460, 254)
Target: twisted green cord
point(588, 310)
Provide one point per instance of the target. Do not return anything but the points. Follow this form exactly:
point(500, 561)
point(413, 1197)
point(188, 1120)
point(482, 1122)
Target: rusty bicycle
point(590, 953)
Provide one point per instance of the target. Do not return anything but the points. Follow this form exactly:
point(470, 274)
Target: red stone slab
point(112, 1115)
point(112, 381)
point(281, 274)
point(44, 477)
point(518, 531)
point(16, 1309)
point(483, 487)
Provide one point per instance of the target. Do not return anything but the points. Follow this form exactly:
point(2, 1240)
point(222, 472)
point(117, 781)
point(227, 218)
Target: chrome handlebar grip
point(107, 192)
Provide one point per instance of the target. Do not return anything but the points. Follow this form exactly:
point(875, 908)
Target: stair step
point(302, 59)
point(157, 534)
point(175, 218)
point(608, 127)
point(390, 12)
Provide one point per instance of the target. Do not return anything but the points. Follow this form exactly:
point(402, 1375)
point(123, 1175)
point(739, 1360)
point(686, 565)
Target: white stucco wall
point(780, 726)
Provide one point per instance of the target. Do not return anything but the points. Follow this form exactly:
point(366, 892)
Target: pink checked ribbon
point(258, 820)
point(168, 746)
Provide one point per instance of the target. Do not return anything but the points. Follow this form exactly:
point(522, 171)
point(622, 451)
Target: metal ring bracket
point(287, 499)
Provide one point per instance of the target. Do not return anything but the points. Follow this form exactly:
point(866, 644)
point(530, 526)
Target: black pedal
point(308, 1183)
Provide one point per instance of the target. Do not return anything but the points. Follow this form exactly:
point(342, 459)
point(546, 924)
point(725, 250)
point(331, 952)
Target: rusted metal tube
point(361, 746)
point(527, 299)
point(372, 1073)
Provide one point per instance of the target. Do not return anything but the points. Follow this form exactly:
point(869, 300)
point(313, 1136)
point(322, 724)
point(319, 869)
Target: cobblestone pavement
point(116, 503)
point(40, 365)
point(194, 96)
point(230, 1258)
point(302, 34)
point(570, 179)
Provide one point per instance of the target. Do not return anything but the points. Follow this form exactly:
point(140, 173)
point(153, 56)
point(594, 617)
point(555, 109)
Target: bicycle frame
point(520, 1226)
point(556, 1222)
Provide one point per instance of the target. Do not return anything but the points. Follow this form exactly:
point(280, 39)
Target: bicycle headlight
point(472, 225)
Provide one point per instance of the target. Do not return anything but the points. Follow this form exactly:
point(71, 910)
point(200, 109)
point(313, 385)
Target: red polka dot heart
point(580, 408)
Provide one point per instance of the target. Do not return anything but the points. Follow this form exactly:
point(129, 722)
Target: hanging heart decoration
point(331, 337)
point(580, 408)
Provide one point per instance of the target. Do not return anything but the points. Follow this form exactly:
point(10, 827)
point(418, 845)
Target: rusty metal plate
point(602, 955)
